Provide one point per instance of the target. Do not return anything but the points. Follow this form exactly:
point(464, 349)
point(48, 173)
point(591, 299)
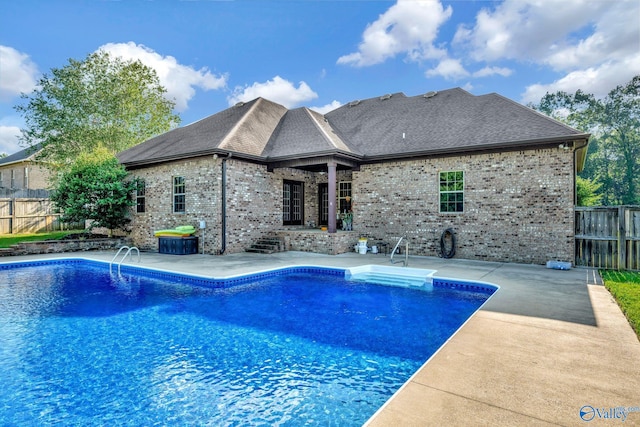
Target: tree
point(102, 101)
point(95, 188)
point(614, 150)
point(587, 192)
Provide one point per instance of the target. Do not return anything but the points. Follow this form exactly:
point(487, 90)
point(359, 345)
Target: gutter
point(16, 162)
point(476, 149)
point(137, 164)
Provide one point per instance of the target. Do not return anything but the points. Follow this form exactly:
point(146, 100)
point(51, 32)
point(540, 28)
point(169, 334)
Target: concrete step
point(267, 245)
point(260, 251)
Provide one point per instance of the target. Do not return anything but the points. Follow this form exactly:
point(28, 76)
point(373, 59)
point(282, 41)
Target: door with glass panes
point(292, 203)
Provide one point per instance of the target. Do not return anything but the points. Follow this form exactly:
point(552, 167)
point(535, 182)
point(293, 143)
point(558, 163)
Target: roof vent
point(239, 104)
point(385, 97)
point(430, 94)
point(354, 103)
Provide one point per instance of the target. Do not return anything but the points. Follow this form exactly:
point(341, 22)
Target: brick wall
point(518, 205)
point(202, 183)
point(38, 176)
point(254, 201)
point(319, 242)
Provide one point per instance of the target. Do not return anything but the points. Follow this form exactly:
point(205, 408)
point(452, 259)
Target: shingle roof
point(389, 126)
point(26, 154)
point(450, 120)
point(244, 128)
point(303, 132)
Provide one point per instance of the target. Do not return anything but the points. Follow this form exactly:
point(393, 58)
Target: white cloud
point(326, 108)
point(408, 27)
point(468, 87)
point(277, 90)
point(490, 71)
point(593, 45)
point(615, 36)
point(9, 136)
point(598, 81)
point(450, 69)
point(18, 73)
point(529, 29)
point(179, 80)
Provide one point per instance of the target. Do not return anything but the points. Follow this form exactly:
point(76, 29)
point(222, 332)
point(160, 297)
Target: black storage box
point(178, 245)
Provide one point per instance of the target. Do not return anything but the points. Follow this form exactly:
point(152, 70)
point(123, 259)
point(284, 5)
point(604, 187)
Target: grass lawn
point(7, 240)
point(625, 288)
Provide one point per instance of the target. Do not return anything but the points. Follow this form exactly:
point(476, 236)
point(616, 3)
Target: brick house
point(501, 175)
point(22, 174)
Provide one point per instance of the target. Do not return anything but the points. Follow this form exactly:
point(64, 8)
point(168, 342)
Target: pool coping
point(544, 347)
point(210, 281)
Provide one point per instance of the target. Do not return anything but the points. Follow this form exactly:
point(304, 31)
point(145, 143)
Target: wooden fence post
point(622, 238)
point(12, 212)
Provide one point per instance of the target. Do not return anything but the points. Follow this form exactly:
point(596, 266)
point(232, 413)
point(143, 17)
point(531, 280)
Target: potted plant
point(347, 221)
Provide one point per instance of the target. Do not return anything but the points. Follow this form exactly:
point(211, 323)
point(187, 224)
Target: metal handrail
point(404, 262)
point(128, 252)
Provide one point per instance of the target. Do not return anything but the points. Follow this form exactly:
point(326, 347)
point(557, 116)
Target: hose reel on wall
point(447, 243)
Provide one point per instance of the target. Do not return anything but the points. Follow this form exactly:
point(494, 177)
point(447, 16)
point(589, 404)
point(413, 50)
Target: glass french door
point(292, 203)
point(323, 204)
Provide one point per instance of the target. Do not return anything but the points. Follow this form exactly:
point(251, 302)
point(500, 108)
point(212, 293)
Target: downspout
point(223, 247)
point(575, 167)
point(575, 193)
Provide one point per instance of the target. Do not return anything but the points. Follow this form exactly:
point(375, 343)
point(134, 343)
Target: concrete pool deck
point(548, 344)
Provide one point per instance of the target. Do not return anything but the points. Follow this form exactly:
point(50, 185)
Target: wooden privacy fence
point(30, 215)
point(608, 237)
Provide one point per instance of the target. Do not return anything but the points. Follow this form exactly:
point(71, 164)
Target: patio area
point(550, 347)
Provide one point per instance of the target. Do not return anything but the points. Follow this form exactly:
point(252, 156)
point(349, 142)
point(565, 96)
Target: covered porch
point(320, 206)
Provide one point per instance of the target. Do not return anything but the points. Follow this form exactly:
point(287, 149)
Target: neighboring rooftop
point(22, 155)
point(379, 128)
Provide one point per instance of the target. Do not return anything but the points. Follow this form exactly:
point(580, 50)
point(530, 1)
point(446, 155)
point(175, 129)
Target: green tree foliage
point(102, 101)
point(587, 192)
point(614, 151)
point(95, 187)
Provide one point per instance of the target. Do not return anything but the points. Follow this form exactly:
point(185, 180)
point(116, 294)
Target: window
point(292, 197)
point(13, 178)
point(140, 196)
point(452, 191)
point(178, 194)
point(25, 183)
point(344, 196)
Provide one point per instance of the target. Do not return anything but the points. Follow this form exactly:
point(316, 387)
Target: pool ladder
point(128, 252)
point(405, 261)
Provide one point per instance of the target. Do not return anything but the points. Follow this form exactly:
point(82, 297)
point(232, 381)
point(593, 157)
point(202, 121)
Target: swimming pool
point(79, 345)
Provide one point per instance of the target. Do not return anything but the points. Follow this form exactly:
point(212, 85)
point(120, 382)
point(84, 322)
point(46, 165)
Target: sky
point(321, 54)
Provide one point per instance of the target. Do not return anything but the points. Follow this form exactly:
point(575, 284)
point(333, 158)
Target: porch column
point(331, 172)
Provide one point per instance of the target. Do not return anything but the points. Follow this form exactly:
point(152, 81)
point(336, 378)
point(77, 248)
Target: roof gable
point(245, 127)
point(303, 132)
point(251, 133)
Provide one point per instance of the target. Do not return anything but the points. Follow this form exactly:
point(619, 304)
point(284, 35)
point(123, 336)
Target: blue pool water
point(81, 346)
